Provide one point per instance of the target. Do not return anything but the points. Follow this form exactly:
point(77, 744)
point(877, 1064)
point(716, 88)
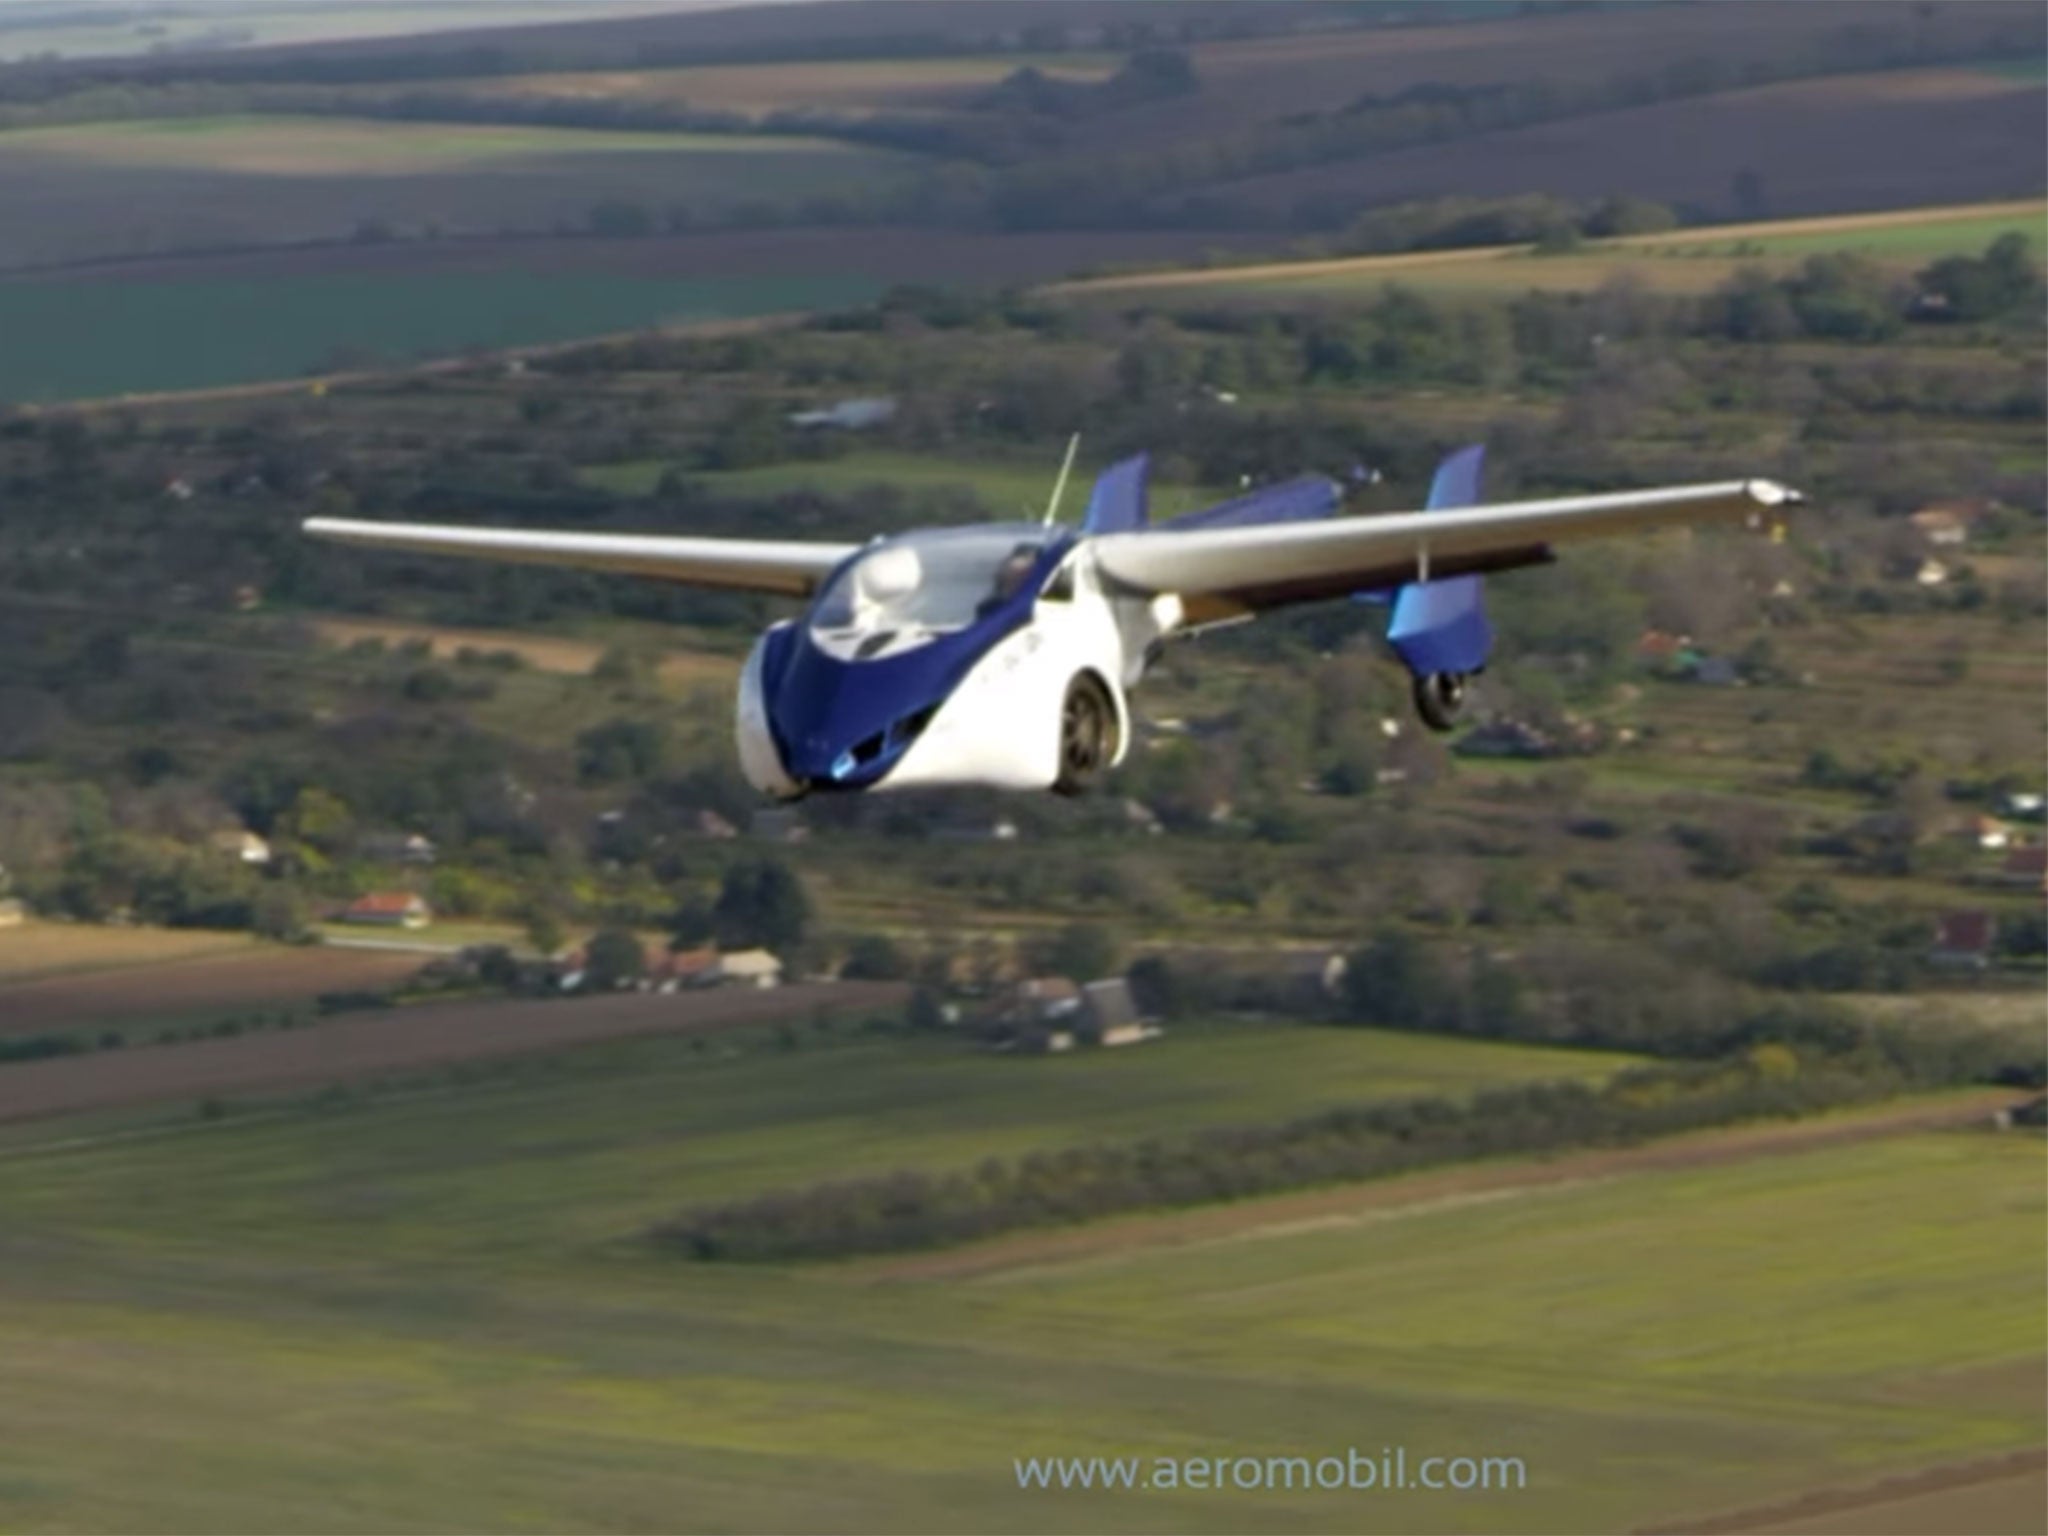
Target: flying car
point(1004, 654)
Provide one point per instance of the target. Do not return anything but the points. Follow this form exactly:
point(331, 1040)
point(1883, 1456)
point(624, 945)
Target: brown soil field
point(843, 87)
point(1820, 146)
point(252, 977)
point(1385, 1199)
point(2007, 1495)
point(37, 949)
point(408, 1039)
point(1267, 78)
point(546, 654)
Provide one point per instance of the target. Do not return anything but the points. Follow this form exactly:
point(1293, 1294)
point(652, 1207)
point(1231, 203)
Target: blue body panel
point(1118, 502)
point(842, 724)
point(1441, 626)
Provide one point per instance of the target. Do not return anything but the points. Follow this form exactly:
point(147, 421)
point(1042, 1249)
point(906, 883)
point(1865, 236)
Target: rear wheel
point(1439, 699)
point(1088, 736)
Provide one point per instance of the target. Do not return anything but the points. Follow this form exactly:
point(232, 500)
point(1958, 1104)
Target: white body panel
point(1001, 726)
point(759, 760)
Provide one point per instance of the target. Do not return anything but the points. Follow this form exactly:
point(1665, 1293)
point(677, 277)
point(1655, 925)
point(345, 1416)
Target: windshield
point(909, 588)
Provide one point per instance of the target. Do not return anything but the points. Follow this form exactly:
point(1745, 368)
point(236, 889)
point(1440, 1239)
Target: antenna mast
point(1059, 486)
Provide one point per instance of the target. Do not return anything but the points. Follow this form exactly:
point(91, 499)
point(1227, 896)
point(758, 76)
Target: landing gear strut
point(1440, 698)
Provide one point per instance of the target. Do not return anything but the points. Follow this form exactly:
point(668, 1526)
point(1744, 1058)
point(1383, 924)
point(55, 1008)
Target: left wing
point(1243, 569)
point(782, 567)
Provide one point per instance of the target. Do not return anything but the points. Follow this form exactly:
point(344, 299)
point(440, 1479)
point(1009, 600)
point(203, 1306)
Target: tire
point(1440, 699)
point(1088, 736)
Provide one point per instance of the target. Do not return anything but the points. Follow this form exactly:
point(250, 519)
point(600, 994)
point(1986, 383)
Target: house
point(1987, 832)
point(1931, 572)
point(714, 826)
point(685, 968)
point(1947, 524)
point(1111, 1016)
point(2024, 805)
point(242, 845)
point(1962, 940)
point(848, 415)
point(397, 848)
point(1311, 977)
point(745, 968)
point(995, 829)
point(389, 909)
point(178, 488)
point(779, 824)
point(1661, 648)
point(2026, 867)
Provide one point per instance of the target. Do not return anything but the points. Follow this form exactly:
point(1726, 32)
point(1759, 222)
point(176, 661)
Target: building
point(1313, 976)
point(1946, 524)
point(746, 968)
point(848, 415)
point(389, 909)
point(2026, 867)
point(1962, 940)
point(242, 845)
point(1110, 1014)
point(1987, 832)
point(398, 848)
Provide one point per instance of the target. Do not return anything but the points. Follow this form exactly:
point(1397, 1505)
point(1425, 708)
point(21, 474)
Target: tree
point(612, 959)
point(761, 905)
point(1394, 980)
point(1081, 952)
point(875, 957)
point(278, 912)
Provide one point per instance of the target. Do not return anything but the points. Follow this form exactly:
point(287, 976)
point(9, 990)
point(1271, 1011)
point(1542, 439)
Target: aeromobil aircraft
point(1001, 654)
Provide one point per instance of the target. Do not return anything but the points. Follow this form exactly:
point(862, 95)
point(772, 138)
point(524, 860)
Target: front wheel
point(1439, 699)
point(1088, 736)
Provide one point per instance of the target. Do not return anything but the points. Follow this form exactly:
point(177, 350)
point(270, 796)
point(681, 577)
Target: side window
point(1060, 589)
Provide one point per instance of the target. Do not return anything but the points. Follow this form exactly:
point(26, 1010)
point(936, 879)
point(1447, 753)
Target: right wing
point(1234, 570)
point(780, 567)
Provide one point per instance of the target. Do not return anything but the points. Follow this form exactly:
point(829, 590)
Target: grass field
point(144, 336)
point(1001, 489)
point(422, 1314)
point(675, 665)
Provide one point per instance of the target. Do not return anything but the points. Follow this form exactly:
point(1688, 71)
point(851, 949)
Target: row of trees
point(1829, 1066)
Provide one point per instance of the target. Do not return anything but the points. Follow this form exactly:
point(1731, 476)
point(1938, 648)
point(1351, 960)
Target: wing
point(1234, 570)
point(739, 565)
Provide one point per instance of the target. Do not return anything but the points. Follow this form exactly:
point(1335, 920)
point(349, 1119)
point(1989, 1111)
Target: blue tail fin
point(1118, 502)
point(1440, 626)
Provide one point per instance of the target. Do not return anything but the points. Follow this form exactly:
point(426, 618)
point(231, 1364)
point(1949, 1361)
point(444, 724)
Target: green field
point(342, 146)
point(1002, 489)
point(99, 336)
point(423, 1314)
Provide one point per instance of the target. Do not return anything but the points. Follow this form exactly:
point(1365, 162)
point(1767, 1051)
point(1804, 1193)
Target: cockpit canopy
point(903, 591)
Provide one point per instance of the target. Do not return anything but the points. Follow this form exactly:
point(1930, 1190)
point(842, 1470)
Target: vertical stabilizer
point(1441, 626)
